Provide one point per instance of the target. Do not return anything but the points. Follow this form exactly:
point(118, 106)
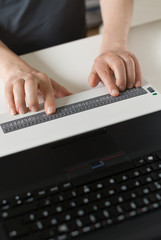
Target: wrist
point(113, 41)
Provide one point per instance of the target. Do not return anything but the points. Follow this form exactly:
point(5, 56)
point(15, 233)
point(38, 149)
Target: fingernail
point(115, 92)
point(34, 109)
point(130, 85)
point(50, 110)
point(137, 84)
point(22, 110)
point(13, 112)
point(121, 88)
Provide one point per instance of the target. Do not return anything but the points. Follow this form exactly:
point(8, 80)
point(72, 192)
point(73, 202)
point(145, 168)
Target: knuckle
point(43, 76)
point(98, 60)
point(30, 80)
point(131, 54)
point(29, 76)
point(129, 61)
point(118, 63)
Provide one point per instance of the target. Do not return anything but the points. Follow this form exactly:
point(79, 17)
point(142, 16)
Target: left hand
point(119, 64)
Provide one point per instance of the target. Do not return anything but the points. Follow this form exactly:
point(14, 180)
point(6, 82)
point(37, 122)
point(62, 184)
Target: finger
point(48, 95)
point(31, 95)
point(138, 74)
point(10, 99)
point(19, 96)
point(130, 69)
point(118, 67)
point(59, 90)
point(93, 79)
point(106, 77)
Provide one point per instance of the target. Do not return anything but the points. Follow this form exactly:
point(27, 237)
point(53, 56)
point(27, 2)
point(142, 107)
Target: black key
point(69, 194)
point(15, 203)
point(150, 158)
point(133, 184)
point(65, 216)
point(158, 154)
point(29, 218)
point(152, 187)
point(126, 207)
point(130, 195)
point(145, 169)
point(20, 210)
point(43, 213)
point(51, 221)
point(53, 190)
point(113, 211)
point(75, 233)
point(96, 186)
point(72, 226)
point(154, 175)
point(85, 189)
point(123, 187)
point(122, 177)
point(37, 226)
point(26, 195)
point(56, 209)
point(29, 200)
point(143, 190)
point(139, 162)
point(44, 202)
point(156, 165)
point(151, 90)
point(15, 228)
point(4, 202)
point(139, 202)
point(134, 173)
point(86, 229)
point(65, 186)
point(158, 196)
point(132, 213)
point(56, 198)
point(5, 207)
point(69, 205)
point(40, 193)
point(152, 198)
point(62, 237)
point(90, 208)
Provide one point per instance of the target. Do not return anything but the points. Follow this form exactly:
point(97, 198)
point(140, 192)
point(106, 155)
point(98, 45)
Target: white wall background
point(146, 11)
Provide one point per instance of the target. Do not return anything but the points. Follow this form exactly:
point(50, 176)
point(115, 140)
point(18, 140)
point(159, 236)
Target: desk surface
point(70, 63)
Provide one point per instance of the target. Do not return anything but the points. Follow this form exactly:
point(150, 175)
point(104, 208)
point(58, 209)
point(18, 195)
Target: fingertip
point(93, 79)
point(12, 111)
point(34, 108)
point(138, 84)
point(122, 88)
point(67, 93)
point(50, 110)
point(22, 110)
point(115, 92)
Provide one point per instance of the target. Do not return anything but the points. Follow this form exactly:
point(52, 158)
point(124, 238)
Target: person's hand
point(118, 70)
point(26, 83)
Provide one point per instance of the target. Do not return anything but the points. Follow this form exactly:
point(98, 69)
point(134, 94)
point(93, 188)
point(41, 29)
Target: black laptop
point(104, 184)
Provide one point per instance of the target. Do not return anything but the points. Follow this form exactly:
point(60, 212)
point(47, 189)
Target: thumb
point(93, 79)
point(59, 90)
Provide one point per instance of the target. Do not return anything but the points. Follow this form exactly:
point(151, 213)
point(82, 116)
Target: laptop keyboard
point(70, 209)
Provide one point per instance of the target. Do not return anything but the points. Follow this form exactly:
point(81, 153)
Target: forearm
point(117, 15)
point(9, 61)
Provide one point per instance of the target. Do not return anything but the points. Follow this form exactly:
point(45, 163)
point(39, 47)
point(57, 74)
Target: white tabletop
point(70, 63)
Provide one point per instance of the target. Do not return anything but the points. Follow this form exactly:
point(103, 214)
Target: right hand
point(26, 82)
